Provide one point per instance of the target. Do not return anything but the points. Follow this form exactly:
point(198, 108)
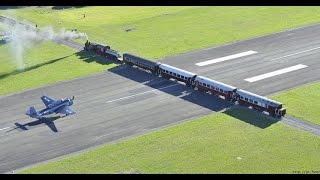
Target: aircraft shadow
point(49, 121)
point(211, 102)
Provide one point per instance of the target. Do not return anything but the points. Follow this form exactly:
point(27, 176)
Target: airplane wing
point(65, 110)
point(47, 100)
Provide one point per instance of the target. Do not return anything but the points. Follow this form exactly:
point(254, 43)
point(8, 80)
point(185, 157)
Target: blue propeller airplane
point(52, 106)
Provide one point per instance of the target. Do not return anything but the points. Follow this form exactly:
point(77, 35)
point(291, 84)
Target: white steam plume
point(24, 37)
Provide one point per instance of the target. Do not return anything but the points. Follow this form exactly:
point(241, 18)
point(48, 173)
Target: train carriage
point(131, 59)
point(260, 103)
point(168, 72)
point(214, 87)
point(200, 83)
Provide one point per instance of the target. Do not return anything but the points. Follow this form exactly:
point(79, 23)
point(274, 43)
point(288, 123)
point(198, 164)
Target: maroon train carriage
point(143, 63)
point(214, 87)
point(168, 72)
point(260, 103)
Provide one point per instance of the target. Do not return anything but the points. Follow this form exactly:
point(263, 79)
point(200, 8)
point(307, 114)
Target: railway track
point(307, 126)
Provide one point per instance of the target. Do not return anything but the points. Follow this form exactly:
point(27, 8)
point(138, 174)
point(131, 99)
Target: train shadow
point(250, 116)
point(90, 57)
point(173, 88)
point(211, 102)
point(49, 121)
point(18, 71)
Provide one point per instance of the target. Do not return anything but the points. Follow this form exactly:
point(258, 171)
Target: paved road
point(125, 101)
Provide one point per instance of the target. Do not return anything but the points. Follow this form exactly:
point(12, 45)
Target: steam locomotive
point(197, 82)
point(101, 49)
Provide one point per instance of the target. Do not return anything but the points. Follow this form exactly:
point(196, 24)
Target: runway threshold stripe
point(275, 73)
point(127, 97)
point(226, 58)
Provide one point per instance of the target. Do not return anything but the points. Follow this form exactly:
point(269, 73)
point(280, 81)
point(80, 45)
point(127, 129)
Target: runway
point(125, 101)
point(274, 52)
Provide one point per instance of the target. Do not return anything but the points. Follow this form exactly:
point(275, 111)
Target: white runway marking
point(4, 128)
point(275, 73)
point(295, 54)
point(127, 97)
point(204, 63)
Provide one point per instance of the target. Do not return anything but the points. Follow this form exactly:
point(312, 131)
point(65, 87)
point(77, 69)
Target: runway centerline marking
point(275, 73)
point(4, 128)
point(127, 97)
point(226, 58)
point(295, 54)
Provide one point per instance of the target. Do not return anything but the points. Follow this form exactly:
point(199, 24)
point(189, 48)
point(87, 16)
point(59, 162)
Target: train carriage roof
point(215, 83)
point(258, 98)
point(140, 59)
point(177, 70)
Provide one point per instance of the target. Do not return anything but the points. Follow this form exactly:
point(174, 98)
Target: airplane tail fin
point(32, 112)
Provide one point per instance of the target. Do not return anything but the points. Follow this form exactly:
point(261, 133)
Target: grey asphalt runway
point(274, 52)
point(125, 101)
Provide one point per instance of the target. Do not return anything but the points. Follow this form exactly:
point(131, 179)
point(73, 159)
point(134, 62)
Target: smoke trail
point(25, 37)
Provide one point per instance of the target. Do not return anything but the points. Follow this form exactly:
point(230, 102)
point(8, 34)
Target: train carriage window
point(163, 70)
point(241, 97)
point(246, 99)
point(208, 85)
point(170, 73)
point(255, 102)
point(174, 74)
point(182, 77)
point(221, 90)
point(250, 100)
point(179, 76)
point(204, 84)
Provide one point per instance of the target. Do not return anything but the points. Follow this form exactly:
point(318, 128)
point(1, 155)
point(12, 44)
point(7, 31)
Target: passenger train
point(197, 82)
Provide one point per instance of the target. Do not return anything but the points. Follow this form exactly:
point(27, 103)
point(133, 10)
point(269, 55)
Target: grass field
point(207, 145)
point(302, 102)
point(45, 64)
point(157, 32)
point(211, 144)
point(165, 31)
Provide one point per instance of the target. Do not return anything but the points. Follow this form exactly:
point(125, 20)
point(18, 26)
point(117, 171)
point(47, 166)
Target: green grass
point(46, 63)
point(158, 32)
point(206, 145)
point(302, 102)
point(166, 31)
point(210, 144)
